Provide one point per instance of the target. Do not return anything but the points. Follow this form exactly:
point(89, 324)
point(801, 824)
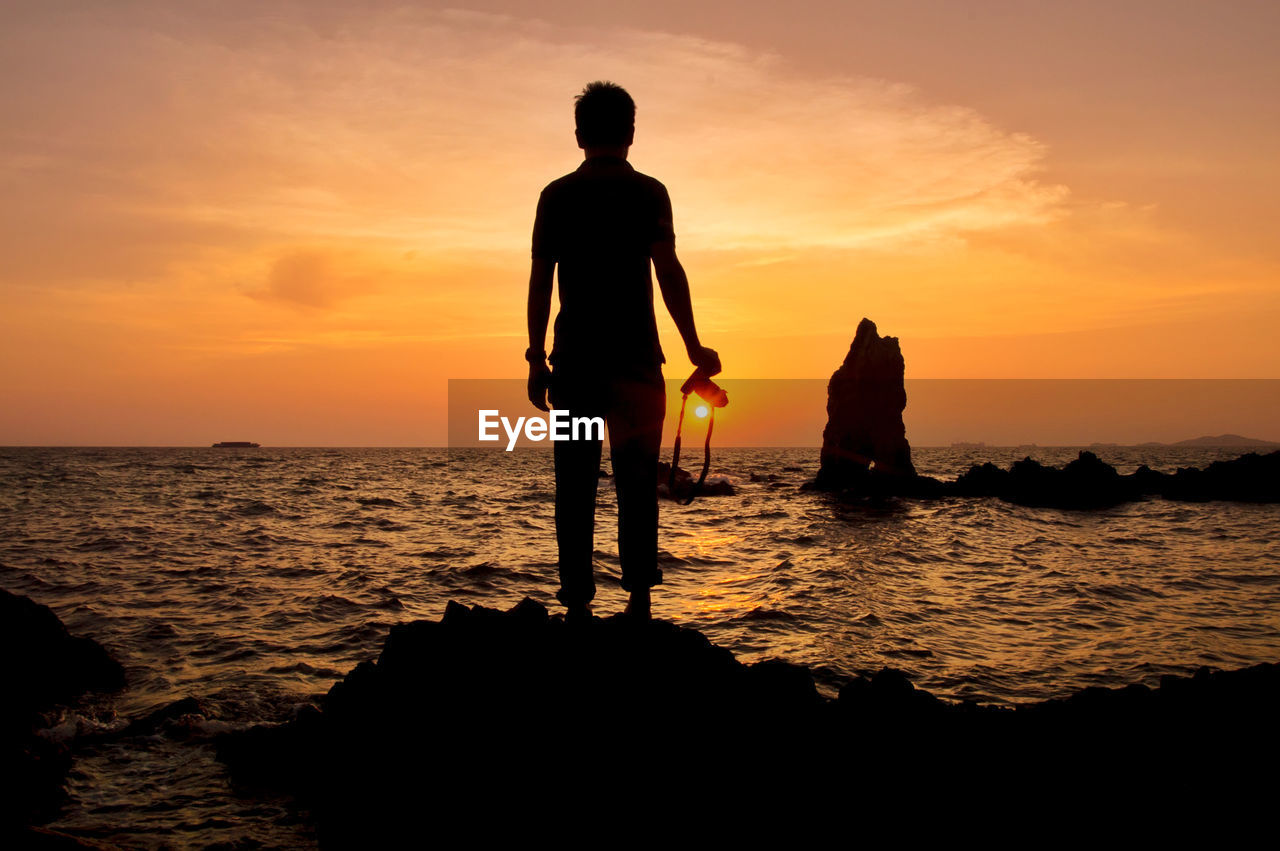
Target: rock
point(1086, 482)
point(179, 715)
point(717, 486)
point(865, 438)
point(520, 709)
point(866, 456)
point(1249, 478)
point(32, 771)
point(1234, 704)
point(985, 480)
point(43, 665)
point(865, 453)
point(525, 701)
point(1089, 482)
point(887, 694)
point(684, 483)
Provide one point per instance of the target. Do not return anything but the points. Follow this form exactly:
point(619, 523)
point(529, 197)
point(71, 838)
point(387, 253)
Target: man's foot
point(580, 613)
point(639, 606)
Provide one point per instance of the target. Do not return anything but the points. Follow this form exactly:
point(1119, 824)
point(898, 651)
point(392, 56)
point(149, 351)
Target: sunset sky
point(294, 222)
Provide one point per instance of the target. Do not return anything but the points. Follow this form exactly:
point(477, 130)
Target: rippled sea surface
point(254, 578)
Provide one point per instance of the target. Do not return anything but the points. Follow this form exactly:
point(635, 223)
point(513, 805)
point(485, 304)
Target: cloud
point(257, 127)
point(312, 278)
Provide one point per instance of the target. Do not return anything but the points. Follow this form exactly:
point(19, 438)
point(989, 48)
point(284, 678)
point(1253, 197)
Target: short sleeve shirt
point(599, 224)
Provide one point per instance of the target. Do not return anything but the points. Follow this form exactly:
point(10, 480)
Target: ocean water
point(253, 579)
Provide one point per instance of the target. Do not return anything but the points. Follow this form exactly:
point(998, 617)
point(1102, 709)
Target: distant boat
point(236, 444)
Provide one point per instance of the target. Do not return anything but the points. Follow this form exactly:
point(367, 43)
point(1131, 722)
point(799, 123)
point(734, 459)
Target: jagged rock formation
point(42, 665)
point(865, 453)
point(1249, 478)
point(1088, 483)
point(520, 714)
point(864, 437)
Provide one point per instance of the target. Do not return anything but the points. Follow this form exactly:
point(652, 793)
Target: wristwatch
point(534, 356)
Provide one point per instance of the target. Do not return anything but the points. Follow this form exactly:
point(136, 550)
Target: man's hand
point(539, 381)
point(705, 359)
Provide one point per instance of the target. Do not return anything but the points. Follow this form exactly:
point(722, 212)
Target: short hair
point(605, 114)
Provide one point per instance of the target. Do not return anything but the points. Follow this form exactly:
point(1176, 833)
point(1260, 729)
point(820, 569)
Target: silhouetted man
point(603, 224)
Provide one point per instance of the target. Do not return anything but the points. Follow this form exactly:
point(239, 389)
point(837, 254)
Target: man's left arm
point(674, 284)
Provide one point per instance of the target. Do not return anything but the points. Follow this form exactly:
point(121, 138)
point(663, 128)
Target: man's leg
point(635, 437)
point(577, 464)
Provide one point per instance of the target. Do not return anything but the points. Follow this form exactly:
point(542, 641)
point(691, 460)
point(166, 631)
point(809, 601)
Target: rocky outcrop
point(1085, 482)
point(865, 453)
point(865, 439)
point(521, 713)
point(43, 665)
point(684, 484)
point(1088, 483)
point(1249, 478)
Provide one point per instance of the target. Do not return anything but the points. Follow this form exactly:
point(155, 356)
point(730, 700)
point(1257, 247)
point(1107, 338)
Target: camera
point(707, 390)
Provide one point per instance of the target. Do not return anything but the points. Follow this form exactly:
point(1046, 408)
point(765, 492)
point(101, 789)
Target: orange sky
point(293, 223)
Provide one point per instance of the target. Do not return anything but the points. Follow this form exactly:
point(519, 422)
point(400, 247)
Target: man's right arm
point(674, 284)
point(541, 276)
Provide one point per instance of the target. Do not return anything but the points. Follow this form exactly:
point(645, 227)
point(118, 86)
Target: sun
point(700, 411)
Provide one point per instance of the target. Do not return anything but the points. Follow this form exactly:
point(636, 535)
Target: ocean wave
point(254, 508)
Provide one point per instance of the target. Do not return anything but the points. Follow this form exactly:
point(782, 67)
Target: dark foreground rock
point(43, 665)
point(503, 715)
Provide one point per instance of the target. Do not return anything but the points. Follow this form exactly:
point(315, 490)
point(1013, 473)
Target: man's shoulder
point(579, 176)
point(559, 183)
point(655, 186)
point(647, 179)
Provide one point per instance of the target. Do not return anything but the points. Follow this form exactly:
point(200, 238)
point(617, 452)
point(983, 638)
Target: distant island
point(236, 444)
point(1227, 440)
point(1218, 440)
point(1223, 440)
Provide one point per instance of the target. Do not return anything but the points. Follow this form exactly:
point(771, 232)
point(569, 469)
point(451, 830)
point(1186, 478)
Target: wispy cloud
point(314, 278)
point(239, 128)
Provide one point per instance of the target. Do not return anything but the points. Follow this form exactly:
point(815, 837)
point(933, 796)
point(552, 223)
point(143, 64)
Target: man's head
point(605, 116)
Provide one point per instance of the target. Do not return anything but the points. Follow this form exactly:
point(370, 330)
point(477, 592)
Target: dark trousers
point(633, 409)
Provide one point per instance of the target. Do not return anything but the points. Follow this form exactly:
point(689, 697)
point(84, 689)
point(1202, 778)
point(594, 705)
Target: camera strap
point(706, 454)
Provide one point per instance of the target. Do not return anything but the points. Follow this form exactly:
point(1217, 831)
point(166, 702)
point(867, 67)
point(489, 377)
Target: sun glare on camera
point(700, 411)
